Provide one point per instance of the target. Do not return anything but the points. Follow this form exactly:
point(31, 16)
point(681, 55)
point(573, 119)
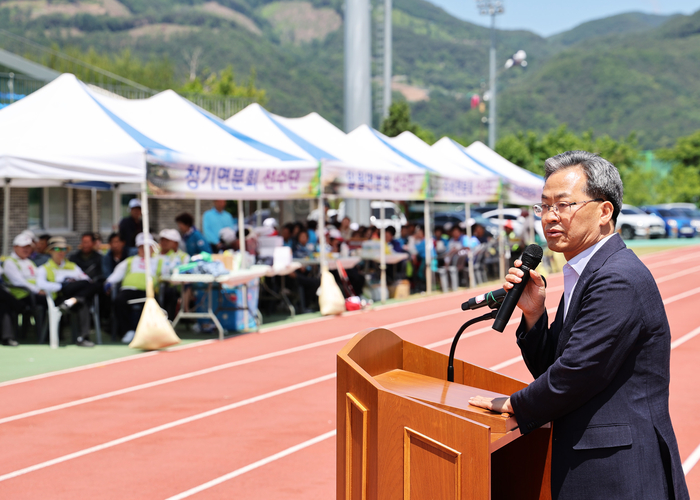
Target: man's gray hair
point(602, 178)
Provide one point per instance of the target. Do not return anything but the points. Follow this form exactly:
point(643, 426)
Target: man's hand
point(41, 292)
point(499, 405)
point(532, 300)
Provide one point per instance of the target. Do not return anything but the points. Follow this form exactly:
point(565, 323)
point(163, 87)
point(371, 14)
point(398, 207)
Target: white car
point(514, 215)
point(393, 216)
point(634, 222)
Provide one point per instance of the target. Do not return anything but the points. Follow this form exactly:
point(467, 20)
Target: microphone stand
point(485, 317)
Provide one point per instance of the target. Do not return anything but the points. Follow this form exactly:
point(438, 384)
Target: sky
point(548, 17)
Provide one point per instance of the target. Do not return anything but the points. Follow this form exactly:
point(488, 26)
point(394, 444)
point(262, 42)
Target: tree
point(683, 182)
point(399, 120)
point(224, 84)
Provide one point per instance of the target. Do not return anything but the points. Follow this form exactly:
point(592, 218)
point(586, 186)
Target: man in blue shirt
point(194, 240)
point(214, 220)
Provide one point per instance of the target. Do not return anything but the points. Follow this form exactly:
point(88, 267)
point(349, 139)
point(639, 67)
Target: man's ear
point(606, 212)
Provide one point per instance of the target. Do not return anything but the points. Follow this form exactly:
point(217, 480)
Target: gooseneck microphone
point(531, 258)
point(491, 299)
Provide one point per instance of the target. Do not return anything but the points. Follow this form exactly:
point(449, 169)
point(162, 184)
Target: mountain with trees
point(632, 73)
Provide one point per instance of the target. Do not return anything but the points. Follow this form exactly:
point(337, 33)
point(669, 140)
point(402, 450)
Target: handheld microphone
point(530, 258)
point(491, 299)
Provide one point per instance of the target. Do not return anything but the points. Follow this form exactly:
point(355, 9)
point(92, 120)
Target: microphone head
point(532, 256)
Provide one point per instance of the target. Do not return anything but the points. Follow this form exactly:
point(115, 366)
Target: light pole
point(491, 8)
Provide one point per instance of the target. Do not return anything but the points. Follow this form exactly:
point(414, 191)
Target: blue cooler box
point(225, 304)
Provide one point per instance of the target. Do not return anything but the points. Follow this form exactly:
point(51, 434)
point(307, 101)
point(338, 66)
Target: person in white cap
point(132, 225)
point(20, 275)
point(172, 257)
point(132, 275)
point(71, 289)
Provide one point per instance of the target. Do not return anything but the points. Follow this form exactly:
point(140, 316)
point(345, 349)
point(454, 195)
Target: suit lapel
point(613, 245)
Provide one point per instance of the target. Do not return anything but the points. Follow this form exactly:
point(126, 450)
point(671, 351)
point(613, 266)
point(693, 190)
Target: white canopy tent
point(346, 170)
point(518, 186)
point(452, 182)
point(202, 157)
point(521, 187)
point(59, 134)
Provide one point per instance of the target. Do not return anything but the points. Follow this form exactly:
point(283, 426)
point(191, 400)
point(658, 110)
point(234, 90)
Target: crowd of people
point(115, 272)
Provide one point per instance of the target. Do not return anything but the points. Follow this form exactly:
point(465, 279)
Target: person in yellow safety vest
point(71, 289)
point(172, 257)
point(20, 275)
point(132, 275)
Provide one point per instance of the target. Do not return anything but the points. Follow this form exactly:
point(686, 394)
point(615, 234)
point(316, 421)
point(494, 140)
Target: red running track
point(253, 417)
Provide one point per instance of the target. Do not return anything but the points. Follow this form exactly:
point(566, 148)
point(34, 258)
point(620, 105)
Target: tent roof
point(377, 145)
point(183, 128)
point(524, 187)
point(260, 123)
point(415, 147)
point(60, 132)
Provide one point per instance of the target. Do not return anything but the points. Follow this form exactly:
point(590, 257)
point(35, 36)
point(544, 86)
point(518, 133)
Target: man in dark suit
point(602, 368)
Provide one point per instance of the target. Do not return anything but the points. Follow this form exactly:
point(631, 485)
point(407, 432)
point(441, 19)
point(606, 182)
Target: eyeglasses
point(59, 249)
point(560, 207)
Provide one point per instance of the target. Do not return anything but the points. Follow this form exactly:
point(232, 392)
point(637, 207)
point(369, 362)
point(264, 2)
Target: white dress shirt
point(18, 273)
point(573, 269)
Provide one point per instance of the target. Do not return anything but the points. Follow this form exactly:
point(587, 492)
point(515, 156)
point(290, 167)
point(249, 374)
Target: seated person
point(193, 240)
point(172, 257)
point(87, 258)
point(40, 255)
point(391, 241)
point(20, 276)
point(132, 275)
point(311, 227)
point(71, 288)
point(300, 249)
point(117, 253)
point(8, 305)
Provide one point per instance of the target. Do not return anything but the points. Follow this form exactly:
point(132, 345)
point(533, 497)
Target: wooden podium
point(404, 432)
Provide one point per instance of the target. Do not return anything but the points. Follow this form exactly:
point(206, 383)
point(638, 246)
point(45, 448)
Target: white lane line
point(163, 427)
point(691, 461)
point(509, 362)
point(677, 260)
point(263, 357)
point(205, 371)
point(681, 296)
point(253, 466)
point(685, 338)
point(679, 274)
point(273, 328)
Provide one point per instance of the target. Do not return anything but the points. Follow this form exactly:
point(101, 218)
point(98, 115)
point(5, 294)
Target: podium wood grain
point(404, 432)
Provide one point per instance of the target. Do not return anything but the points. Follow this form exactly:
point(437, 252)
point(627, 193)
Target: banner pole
point(147, 245)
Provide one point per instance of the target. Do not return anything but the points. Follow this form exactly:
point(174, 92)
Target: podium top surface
point(449, 396)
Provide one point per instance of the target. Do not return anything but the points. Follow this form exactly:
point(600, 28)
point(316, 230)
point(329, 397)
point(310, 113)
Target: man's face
point(41, 246)
point(456, 233)
point(219, 205)
point(116, 245)
point(86, 244)
point(23, 252)
point(166, 245)
point(182, 228)
point(579, 226)
point(136, 213)
point(303, 239)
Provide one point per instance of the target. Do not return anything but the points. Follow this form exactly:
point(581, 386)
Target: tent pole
point(322, 233)
point(382, 254)
point(428, 249)
point(198, 213)
point(116, 207)
point(6, 220)
point(241, 234)
point(501, 239)
point(244, 259)
point(470, 255)
point(93, 204)
point(147, 246)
